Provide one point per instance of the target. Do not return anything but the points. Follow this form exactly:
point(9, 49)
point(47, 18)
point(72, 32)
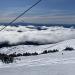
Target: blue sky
point(47, 11)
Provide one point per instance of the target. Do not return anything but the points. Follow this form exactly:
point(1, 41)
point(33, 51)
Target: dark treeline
point(69, 49)
point(10, 58)
point(6, 58)
point(24, 54)
point(50, 51)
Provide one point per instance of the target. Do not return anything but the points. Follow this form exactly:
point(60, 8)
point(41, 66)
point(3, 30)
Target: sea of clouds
point(47, 35)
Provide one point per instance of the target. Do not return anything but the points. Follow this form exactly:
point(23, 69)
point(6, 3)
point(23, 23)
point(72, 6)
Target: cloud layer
point(30, 35)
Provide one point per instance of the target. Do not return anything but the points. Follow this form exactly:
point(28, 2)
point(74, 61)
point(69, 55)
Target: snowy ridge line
point(38, 49)
point(57, 43)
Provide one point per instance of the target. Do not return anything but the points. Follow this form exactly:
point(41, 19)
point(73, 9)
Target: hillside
point(57, 63)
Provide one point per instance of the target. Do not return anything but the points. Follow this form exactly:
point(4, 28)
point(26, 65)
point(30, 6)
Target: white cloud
point(51, 35)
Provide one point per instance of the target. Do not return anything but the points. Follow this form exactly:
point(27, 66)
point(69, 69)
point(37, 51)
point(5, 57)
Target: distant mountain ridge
point(38, 24)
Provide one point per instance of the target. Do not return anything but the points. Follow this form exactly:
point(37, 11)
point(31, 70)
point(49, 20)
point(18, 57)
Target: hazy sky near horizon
point(47, 11)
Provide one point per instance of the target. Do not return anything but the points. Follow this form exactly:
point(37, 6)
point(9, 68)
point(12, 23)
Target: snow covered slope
point(47, 64)
point(44, 64)
point(31, 48)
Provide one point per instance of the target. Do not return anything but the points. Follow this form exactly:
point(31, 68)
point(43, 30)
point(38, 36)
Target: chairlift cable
point(21, 14)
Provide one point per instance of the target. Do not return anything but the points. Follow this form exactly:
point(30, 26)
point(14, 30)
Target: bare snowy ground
point(57, 69)
point(48, 64)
